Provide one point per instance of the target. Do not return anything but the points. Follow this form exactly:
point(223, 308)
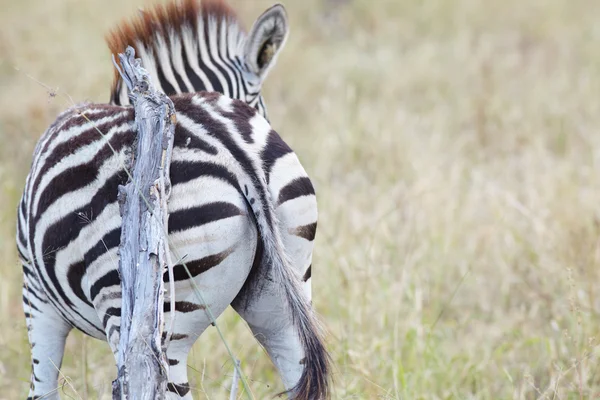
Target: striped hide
point(242, 212)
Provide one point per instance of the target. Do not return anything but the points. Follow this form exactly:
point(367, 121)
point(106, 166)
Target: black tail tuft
point(315, 379)
point(314, 382)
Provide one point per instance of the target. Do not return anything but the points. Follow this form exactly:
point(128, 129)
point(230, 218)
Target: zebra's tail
point(314, 381)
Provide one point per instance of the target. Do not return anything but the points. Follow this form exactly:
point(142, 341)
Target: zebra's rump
point(70, 216)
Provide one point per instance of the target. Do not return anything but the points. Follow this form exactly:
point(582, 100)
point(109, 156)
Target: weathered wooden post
point(144, 252)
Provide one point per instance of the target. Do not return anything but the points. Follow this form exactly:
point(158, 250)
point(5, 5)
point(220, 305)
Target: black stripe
point(306, 231)
point(204, 214)
point(181, 389)
point(182, 136)
point(34, 294)
point(115, 94)
point(255, 281)
point(274, 149)
point(241, 115)
point(74, 275)
point(173, 362)
point(197, 267)
point(111, 278)
point(307, 274)
point(29, 304)
point(182, 306)
point(31, 281)
point(21, 236)
point(109, 240)
point(32, 285)
point(111, 312)
point(112, 330)
point(28, 272)
point(182, 86)
point(53, 299)
point(22, 207)
point(297, 188)
point(164, 83)
point(185, 171)
point(178, 336)
point(21, 255)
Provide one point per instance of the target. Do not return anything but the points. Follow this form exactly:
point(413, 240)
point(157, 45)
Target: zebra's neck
point(189, 46)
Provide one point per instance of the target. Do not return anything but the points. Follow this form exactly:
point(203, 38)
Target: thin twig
point(234, 381)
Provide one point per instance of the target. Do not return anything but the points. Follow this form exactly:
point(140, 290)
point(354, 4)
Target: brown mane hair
point(164, 20)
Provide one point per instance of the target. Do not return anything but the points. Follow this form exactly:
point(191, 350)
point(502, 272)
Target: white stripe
point(284, 170)
point(225, 103)
point(97, 269)
point(298, 212)
point(177, 56)
point(260, 131)
point(165, 63)
point(200, 191)
point(208, 239)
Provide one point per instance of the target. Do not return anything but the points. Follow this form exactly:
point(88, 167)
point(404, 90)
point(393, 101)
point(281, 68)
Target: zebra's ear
point(267, 37)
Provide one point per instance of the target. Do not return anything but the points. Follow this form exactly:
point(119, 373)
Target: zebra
point(234, 183)
point(243, 211)
point(193, 46)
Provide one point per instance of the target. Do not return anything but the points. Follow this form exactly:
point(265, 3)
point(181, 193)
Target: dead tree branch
point(143, 252)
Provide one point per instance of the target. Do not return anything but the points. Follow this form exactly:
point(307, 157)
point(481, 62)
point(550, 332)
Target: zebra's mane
point(160, 26)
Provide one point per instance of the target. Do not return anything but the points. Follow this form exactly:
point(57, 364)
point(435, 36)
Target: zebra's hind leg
point(177, 354)
point(269, 319)
point(47, 332)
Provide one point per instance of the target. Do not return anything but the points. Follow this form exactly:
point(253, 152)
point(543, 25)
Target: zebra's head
point(193, 45)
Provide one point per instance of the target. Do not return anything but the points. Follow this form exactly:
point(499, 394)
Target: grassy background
point(454, 146)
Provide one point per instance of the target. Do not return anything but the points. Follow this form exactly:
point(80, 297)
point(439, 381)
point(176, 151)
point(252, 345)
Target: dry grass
point(455, 149)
